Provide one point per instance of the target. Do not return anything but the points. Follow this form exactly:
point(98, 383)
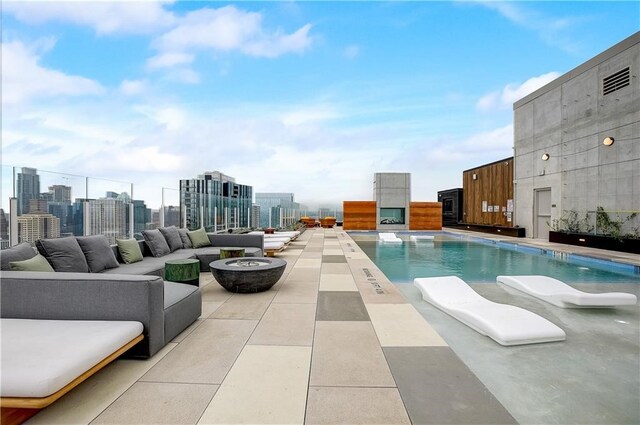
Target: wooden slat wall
point(425, 216)
point(494, 184)
point(359, 215)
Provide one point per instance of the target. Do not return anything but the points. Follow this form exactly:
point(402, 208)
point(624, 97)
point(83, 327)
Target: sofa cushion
point(20, 252)
point(182, 307)
point(62, 350)
point(151, 265)
point(35, 264)
point(64, 254)
point(98, 253)
point(129, 250)
point(156, 242)
point(186, 242)
point(199, 238)
point(172, 236)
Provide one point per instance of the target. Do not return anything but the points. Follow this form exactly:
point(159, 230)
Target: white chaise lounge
point(272, 247)
point(560, 294)
point(389, 238)
point(44, 359)
point(421, 238)
point(506, 324)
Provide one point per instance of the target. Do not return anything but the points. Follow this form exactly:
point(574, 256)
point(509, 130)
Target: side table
point(183, 271)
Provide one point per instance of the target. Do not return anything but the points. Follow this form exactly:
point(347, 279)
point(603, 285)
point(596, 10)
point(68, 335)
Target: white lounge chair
point(419, 238)
point(560, 294)
point(389, 238)
point(272, 247)
point(506, 324)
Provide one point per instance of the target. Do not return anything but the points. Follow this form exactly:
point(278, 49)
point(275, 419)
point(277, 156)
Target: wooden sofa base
point(16, 410)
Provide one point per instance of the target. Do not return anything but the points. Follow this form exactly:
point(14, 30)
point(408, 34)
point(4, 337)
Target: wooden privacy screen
point(425, 216)
point(494, 185)
point(359, 215)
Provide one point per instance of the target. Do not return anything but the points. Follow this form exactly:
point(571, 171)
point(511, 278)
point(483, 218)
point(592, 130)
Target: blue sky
point(304, 97)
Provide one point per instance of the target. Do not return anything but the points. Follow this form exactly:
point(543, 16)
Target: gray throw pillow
point(64, 254)
point(20, 252)
point(156, 242)
point(98, 253)
point(186, 242)
point(172, 236)
point(35, 264)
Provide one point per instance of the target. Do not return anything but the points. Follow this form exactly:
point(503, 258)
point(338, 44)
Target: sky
point(309, 97)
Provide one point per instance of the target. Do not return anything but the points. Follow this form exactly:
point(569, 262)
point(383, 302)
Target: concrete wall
point(392, 190)
point(568, 119)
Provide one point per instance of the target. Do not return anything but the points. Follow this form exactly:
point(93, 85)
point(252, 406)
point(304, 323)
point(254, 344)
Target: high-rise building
point(277, 209)
point(59, 204)
point(172, 216)
point(141, 216)
point(38, 206)
point(255, 215)
point(4, 226)
point(28, 187)
point(215, 201)
point(109, 217)
point(34, 226)
point(60, 193)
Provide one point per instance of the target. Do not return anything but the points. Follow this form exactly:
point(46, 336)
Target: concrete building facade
point(392, 193)
point(564, 156)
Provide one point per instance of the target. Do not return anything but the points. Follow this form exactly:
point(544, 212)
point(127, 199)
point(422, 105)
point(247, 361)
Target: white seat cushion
point(39, 357)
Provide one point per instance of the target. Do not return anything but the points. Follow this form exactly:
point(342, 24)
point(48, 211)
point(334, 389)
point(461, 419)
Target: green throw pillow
point(129, 250)
point(199, 238)
point(35, 264)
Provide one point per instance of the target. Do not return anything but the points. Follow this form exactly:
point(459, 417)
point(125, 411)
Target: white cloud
point(352, 51)
point(23, 78)
point(306, 115)
point(169, 59)
point(131, 17)
point(230, 29)
point(505, 98)
point(551, 30)
point(148, 159)
point(132, 87)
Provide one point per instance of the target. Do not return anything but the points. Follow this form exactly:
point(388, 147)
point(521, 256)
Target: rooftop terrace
point(336, 342)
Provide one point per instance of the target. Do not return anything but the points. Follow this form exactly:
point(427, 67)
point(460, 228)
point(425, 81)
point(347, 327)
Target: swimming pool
point(482, 262)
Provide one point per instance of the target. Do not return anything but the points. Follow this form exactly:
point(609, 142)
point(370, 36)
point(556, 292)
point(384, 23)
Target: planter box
point(596, 241)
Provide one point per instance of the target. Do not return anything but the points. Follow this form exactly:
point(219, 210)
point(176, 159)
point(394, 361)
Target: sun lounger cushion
point(39, 357)
point(560, 294)
point(269, 245)
point(506, 324)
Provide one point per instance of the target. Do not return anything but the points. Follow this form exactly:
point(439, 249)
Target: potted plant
point(606, 234)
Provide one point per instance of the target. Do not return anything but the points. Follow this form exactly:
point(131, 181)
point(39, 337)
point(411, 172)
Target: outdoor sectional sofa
point(62, 327)
point(134, 291)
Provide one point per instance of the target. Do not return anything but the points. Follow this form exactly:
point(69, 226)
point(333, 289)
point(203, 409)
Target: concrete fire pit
point(249, 274)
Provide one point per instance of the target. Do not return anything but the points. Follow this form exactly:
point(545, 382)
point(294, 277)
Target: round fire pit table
point(249, 274)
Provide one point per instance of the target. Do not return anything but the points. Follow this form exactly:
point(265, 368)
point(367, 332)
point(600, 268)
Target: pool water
point(479, 262)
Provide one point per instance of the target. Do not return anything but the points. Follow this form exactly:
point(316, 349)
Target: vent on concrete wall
point(615, 81)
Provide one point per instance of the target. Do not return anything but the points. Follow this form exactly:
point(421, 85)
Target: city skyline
point(311, 98)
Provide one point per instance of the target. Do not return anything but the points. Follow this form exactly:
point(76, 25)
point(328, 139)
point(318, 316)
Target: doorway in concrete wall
point(542, 213)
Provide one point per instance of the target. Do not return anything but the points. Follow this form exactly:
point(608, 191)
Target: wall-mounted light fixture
point(475, 177)
point(545, 156)
point(608, 141)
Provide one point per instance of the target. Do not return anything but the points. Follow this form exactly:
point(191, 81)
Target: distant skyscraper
point(141, 216)
point(59, 204)
point(28, 187)
point(34, 226)
point(277, 209)
point(172, 216)
point(215, 199)
point(38, 206)
point(4, 225)
point(60, 193)
point(255, 215)
point(109, 217)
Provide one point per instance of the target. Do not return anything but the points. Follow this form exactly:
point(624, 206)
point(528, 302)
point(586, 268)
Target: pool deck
point(335, 342)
